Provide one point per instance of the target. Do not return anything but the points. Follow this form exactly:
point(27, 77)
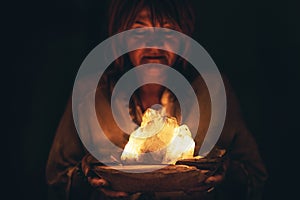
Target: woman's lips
point(154, 59)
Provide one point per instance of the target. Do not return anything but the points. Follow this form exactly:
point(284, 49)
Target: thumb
point(97, 182)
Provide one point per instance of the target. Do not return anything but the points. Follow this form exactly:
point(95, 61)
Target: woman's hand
point(102, 185)
point(209, 184)
point(212, 181)
point(96, 181)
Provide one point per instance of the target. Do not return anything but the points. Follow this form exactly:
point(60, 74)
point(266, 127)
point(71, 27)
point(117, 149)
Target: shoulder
point(214, 83)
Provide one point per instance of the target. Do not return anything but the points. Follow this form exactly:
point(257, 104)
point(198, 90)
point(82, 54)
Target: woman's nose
point(154, 39)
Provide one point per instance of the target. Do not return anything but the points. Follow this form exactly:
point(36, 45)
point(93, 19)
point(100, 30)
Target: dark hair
point(122, 13)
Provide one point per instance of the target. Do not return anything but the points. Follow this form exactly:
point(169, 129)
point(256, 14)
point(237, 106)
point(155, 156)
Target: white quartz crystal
point(159, 139)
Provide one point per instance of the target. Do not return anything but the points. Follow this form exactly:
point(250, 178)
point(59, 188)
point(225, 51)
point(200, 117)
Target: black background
point(255, 43)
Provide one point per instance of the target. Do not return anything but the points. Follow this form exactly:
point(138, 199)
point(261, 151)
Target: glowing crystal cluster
point(159, 140)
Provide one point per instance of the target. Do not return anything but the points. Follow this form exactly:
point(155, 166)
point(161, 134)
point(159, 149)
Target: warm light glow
point(161, 138)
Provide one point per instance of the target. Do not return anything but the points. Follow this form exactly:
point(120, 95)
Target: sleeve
point(63, 167)
point(246, 173)
point(246, 169)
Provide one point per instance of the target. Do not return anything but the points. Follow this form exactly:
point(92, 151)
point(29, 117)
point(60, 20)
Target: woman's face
point(153, 54)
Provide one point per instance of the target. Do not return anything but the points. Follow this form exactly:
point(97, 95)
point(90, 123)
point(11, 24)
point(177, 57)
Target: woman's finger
point(112, 193)
point(213, 180)
point(203, 188)
point(97, 182)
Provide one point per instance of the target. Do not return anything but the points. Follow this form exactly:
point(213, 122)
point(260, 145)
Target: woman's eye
point(139, 32)
point(168, 32)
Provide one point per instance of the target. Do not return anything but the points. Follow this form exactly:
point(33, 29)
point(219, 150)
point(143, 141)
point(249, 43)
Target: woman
point(68, 169)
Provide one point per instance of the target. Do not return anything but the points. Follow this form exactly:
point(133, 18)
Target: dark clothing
point(245, 176)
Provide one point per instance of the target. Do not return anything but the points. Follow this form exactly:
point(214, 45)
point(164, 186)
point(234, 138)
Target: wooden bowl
point(159, 178)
